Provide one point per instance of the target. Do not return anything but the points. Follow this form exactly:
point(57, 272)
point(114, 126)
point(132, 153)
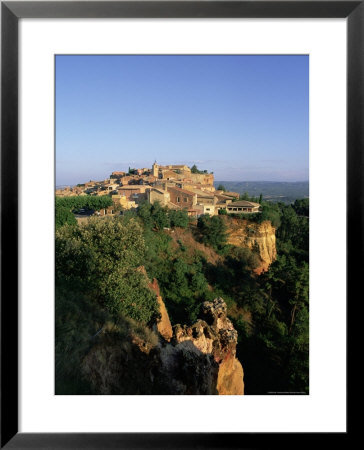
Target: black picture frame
point(11, 12)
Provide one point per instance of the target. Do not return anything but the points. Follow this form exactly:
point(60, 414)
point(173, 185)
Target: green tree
point(221, 187)
point(184, 287)
point(159, 216)
point(301, 207)
point(268, 213)
point(145, 213)
point(64, 216)
point(194, 169)
point(102, 257)
point(90, 202)
point(178, 218)
point(213, 231)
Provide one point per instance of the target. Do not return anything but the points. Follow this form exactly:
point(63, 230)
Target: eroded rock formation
point(214, 335)
point(196, 359)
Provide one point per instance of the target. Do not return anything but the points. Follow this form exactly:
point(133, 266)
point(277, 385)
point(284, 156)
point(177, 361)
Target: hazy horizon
point(215, 181)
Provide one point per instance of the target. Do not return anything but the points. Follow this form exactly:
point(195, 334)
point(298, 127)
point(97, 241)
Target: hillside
point(118, 332)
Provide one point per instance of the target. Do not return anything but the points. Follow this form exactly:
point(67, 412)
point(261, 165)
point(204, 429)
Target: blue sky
point(245, 118)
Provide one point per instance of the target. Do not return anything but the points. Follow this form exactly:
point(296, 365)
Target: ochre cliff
point(215, 336)
point(196, 359)
point(260, 237)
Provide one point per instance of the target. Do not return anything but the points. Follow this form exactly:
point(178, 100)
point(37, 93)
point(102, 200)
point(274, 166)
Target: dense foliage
point(159, 217)
point(279, 307)
point(213, 231)
point(84, 201)
point(64, 206)
point(102, 258)
point(64, 216)
point(98, 280)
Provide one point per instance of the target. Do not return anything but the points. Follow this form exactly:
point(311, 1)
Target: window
point(178, 199)
point(185, 199)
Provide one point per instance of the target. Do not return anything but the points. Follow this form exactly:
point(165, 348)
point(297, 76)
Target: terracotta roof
point(244, 203)
point(169, 172)
point(231, 194)
point(222, 197)
point(130, 187)
point(202, 193)
point(183, 191)
point(160, 190)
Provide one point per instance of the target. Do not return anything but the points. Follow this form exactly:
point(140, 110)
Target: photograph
point(181, 224)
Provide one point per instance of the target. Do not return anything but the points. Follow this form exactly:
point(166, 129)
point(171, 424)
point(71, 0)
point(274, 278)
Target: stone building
point(158, 195)
point(182, 197)
point(131, 192)
point(242, 206)
point(121, 200)
point(155, 169)
point(205, 209)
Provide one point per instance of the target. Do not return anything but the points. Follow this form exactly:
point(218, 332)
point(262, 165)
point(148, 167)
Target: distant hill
point(62, 186)
point(275, 191)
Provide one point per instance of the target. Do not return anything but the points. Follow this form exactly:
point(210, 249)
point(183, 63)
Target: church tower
point(155, 169)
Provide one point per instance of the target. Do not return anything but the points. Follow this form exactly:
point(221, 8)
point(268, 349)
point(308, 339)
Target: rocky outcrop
point(198, 359)
point(259, 237)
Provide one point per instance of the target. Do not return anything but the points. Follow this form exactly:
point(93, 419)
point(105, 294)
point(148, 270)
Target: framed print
point(145, 115)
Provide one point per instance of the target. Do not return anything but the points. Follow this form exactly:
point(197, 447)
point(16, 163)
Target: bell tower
point(155, 169)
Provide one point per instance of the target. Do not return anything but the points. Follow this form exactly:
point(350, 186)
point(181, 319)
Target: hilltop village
point(150, 301)
point(177, 187)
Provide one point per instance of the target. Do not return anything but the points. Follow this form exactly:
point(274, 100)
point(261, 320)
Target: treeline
point(64, 207)
point(84, 201)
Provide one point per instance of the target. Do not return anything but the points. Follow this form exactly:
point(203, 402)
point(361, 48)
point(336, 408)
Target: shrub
point(101, 257)
point(64, 216)
point(213, 231)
